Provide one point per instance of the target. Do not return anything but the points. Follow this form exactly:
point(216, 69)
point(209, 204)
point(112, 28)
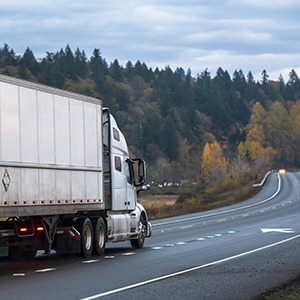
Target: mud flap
point(67, 240)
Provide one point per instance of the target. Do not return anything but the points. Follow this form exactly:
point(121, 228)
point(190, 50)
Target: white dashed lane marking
point(45, 270)
point(216, 235)
point(128, 253)
point(133, 253)
point(90, 261)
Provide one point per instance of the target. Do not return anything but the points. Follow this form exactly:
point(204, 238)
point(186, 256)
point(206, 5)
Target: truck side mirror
point(142, 175)
point(140, 171)
point(144, 187)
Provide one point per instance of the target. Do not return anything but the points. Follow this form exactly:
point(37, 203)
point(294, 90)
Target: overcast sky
point(251, 35)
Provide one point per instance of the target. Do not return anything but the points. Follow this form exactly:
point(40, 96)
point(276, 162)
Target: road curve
point(234, 252)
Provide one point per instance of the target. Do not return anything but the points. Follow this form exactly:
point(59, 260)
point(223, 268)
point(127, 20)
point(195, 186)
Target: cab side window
point(116, 134)
point(129, 172)
point(118, 164)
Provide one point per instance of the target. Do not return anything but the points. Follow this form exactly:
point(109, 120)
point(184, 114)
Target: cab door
point(131, 190)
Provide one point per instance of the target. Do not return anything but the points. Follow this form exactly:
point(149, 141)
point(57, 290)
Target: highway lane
point(234, 252)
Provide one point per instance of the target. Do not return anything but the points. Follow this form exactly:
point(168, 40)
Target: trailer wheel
point(99, 236)
point(86, 238)
point(139, 242)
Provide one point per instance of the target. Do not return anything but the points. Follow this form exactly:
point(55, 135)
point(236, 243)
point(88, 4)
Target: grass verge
point(186, 200)
point(289, 291)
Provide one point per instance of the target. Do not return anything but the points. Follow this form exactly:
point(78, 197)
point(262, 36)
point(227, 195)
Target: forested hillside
point(220, 128)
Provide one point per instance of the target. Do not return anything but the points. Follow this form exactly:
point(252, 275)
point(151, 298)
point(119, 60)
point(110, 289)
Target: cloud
point(267, 4)
point(197, 34)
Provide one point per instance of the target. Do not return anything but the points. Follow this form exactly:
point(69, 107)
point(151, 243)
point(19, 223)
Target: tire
point(140, 240)
point(87, 238)
point(99, 236)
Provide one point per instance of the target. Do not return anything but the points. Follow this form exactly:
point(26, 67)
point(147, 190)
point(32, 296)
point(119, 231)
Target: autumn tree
point(256, 149)
point(255, 128)
point(295, 125)
point(261, 158)
point(214, 163)
point(278, 131)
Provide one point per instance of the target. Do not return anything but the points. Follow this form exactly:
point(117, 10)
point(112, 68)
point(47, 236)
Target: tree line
point(185, 127)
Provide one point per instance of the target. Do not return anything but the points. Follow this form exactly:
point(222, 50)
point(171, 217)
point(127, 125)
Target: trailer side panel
point(50, 150)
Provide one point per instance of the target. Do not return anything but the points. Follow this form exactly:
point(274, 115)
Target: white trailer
point(67, 182)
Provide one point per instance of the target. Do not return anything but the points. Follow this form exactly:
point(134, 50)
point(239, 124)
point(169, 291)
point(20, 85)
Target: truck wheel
point(139, 242)
point(99, 236)
point(86, 238)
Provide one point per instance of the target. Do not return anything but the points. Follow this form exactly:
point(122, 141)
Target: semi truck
point(67, 183)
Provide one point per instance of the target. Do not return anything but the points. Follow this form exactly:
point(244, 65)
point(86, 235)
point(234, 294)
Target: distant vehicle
point(66, 180)
point(281, 171)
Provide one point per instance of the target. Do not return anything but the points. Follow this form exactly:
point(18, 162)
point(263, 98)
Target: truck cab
point(123, 179)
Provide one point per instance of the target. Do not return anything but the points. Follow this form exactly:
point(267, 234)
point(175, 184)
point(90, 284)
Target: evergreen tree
point(68, 63)
point(251, 93)
point(239, 82)
point(250, 78)
point(28, 63)
point(281, 85)
point(264, 78)
point(50, 71)
point(116, 71)
point(266, 87)
point(293, 86)
point(169, 139)
point(81, 67)
point(99, 70)
point(7, 56)
point(149, 129)
point(129, 70)
point(98, 66)
point(122, 98)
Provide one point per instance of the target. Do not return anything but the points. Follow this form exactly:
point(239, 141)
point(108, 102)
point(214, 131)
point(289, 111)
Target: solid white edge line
point(226, 211)
point(187, 270)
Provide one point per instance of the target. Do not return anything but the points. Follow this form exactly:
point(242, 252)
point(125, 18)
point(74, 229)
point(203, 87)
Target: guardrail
point(263, 181)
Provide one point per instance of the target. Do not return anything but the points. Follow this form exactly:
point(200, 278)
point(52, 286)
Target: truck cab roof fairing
point(117, 140)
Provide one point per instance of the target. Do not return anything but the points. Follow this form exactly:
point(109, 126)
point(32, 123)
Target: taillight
point(27, 227)
point(24, 228)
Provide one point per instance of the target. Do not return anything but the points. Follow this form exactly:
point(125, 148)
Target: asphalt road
point(236, 252)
